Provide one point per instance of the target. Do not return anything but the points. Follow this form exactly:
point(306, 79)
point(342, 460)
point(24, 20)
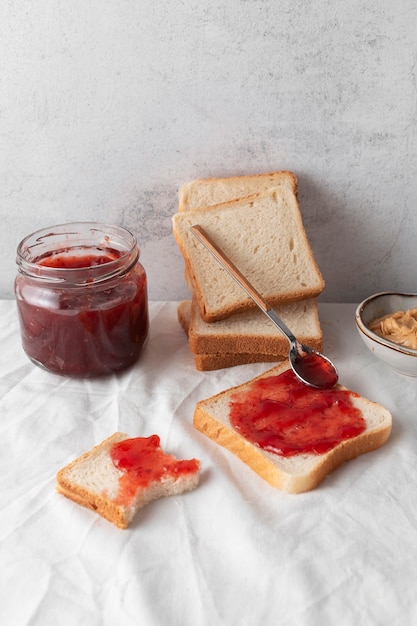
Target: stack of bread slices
point(256, 221)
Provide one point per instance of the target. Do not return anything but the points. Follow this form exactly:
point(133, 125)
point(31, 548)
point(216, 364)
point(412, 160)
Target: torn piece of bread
point(299, 470)
point(102, 480)
point(205, 192)
point(264, 237)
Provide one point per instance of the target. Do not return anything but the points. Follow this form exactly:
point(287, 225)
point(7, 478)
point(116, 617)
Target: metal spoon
point(309, 365)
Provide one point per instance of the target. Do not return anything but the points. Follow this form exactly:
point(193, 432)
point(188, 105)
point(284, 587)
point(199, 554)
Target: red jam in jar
point(282, 415)
point(81, 295)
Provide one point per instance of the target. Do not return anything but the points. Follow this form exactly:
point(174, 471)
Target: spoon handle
point(228, 265)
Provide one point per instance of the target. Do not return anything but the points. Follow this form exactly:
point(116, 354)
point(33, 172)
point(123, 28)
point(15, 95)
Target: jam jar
point(82, 301)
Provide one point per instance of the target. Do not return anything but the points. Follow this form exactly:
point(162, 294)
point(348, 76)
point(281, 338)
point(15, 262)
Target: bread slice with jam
point(290, 434)
point(121, 475)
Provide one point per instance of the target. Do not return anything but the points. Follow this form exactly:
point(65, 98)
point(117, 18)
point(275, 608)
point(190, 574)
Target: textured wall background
point(107, 107)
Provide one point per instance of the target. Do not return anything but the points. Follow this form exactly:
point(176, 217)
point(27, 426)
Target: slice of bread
point(299, 472)
point(208, 192)
point(264, 237)
point(205, 362)
point(205, 192)
point(252, 331)
point(94, 481)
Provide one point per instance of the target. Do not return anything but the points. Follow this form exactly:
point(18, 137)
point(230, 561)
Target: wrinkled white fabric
point(234, 551)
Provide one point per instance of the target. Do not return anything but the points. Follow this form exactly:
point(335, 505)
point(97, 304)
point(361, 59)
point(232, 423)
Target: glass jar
point(81, 295)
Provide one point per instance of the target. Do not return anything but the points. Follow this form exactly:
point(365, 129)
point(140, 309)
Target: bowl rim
point(373, 336)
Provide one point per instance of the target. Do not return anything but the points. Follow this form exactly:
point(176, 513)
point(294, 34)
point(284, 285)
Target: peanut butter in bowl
point(399, 327)
point(387, 324)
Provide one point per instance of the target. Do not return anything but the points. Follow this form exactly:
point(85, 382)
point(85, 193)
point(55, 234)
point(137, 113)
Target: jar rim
point(77, 235)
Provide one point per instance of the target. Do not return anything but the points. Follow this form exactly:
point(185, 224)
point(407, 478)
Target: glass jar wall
point(81, 295)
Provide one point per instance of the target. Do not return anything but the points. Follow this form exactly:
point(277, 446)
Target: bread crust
point(276, 470)
point(210, 362)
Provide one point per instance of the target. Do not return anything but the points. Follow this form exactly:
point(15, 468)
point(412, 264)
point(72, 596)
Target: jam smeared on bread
point(142, 462)
point(300, 470)
point(121, 475)
point(282, 415)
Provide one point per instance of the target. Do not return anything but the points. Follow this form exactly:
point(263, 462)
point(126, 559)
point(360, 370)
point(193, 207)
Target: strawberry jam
point(63, 259)
point(82, 306)
point(317, 370)
point(144, 462)
point(280, 414)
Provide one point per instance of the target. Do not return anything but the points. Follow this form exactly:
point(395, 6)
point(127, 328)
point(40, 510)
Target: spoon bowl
point(309, 365)
point(312, 367)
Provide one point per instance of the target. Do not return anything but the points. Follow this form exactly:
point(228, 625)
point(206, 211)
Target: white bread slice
point(92, 480)
point(205, 192)
point(208, 192)
point(264, 237)
point(253, 332)
point(219, 360)
point(294, 474)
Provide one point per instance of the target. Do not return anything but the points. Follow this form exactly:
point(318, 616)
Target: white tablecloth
point(234, 551)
